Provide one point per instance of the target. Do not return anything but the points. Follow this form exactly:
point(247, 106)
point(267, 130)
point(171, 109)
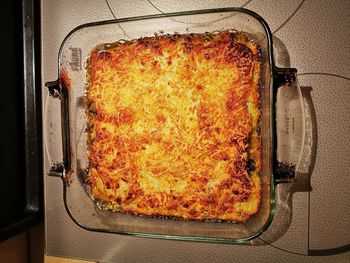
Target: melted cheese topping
point(173, 123)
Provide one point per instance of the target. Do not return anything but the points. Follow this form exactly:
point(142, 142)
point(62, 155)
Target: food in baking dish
point(173, 126)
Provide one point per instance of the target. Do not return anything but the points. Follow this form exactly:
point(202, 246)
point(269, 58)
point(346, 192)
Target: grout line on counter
point(324, 74)
point(289, 18)
point(110, 9)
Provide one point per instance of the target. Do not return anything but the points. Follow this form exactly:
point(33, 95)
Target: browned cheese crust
point(172, 124)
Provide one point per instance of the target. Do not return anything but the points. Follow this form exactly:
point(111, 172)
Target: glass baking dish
point(281, 150)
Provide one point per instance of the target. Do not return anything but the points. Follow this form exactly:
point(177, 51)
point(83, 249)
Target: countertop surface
point(317, 37)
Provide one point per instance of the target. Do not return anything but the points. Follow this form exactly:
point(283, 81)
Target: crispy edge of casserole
point(173, 126)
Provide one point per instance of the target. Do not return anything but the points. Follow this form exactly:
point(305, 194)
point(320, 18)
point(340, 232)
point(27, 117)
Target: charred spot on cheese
point(173, 126)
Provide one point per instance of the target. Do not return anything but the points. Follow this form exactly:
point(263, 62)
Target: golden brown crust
point(173, 122)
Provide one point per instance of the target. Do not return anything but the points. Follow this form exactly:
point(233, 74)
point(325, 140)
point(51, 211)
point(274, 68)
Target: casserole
point(173, 126)
point(70, 88)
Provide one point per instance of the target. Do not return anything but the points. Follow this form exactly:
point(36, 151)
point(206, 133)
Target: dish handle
point(59, 160)
point(289, 124)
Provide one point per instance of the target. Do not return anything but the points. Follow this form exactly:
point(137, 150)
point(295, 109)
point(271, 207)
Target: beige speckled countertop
point(317, 37)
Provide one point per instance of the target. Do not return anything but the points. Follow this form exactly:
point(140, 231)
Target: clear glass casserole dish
point(278, 164)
